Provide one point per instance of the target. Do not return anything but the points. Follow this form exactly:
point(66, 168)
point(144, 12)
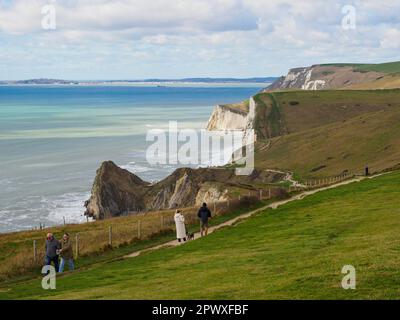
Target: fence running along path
point(114, 236)
point(150, 223)
point(144, 225)
point(274, 205)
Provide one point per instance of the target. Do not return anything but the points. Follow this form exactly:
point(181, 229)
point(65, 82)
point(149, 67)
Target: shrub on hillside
point(281, 193)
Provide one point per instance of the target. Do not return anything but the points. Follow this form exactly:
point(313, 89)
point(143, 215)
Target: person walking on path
point(52, 246)
point(204, 215)
point(180, 226)
point(66, 253)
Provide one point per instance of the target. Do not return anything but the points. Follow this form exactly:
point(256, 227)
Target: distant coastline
point(145, 82)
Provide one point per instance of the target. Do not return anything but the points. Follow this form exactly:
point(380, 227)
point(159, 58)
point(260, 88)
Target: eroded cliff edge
point(117, 191)
point(323, 77)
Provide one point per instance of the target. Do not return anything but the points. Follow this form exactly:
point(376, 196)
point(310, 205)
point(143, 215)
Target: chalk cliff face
point(116, 191)
point(225, 118)
point(320, 77)
point(233, 117)
point(299, 78)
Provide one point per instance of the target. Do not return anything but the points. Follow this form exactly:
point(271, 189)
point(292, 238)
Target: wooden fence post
point(269, 193)
point(64, 220)
point(260, 194)
point(34, 251)
point(139, 230)
point(77, 245)
point(110, 236)
point(239, 197)
point(215, 210)
point(162, 222)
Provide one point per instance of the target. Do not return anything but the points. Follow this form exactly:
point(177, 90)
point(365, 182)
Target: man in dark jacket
point(52, 246)
point(204, 214)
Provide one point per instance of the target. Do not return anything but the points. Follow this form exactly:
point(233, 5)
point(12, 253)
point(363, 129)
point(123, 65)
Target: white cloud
point(163, 15)
point(214, 37)
point(391, 39)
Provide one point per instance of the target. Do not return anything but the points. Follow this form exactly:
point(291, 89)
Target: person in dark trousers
point(52, 247)
point(204, 215)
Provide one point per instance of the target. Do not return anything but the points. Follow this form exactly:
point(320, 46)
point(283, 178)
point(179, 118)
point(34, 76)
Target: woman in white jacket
point(180, 226)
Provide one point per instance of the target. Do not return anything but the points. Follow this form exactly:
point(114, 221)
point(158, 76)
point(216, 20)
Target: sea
point(54, 138)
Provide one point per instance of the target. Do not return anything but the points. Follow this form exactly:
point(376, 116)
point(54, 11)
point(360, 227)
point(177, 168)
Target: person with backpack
point(204, 215)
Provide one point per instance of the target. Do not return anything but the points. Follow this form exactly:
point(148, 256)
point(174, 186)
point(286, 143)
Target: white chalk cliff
point(322, 77)
point(231, 118)
point(301, 78)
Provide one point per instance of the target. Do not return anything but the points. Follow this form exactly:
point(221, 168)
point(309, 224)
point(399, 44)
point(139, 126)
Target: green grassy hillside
point(372, 139)
point(389, 81)
point(324, 133)
point(388, 67)
point(296, 251)
point(294, 111)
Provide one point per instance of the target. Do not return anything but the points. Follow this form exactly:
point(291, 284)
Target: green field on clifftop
point(325, 133)
point(296, 251)
point(388, 67)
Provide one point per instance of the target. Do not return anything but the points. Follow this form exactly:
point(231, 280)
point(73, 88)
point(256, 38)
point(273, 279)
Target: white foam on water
point(136, 168)
point(68, 206)
point(5, 182)
point(29, 212)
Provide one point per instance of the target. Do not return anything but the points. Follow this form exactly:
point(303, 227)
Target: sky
point(140, 39)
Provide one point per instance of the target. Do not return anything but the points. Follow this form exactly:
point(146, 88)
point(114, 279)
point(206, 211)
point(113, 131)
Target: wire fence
point(141, 226)
point(323, 182)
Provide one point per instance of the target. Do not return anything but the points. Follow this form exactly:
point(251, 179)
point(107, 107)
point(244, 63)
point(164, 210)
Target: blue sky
point(136, 39)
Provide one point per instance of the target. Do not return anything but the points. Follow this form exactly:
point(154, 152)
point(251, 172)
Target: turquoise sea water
point(52, 140)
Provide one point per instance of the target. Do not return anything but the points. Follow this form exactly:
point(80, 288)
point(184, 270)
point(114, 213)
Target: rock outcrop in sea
point(116, 191)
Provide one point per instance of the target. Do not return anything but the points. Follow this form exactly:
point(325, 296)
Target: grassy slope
point(390, 81)
point(389, 67)
point(371, 139)
point(269, 119)
point(316, 108)
point(341, 130)
point(12, 244)
point(296, 251)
